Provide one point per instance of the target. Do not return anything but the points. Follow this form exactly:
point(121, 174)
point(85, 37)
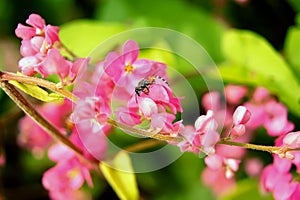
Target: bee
point(144, 84)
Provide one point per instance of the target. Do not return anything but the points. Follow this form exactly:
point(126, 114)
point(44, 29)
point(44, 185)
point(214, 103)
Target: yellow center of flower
point(129, 68)
point(73, 173)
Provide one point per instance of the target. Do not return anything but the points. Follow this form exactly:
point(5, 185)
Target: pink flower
point(211, 101)
point(204, 135)
point(206, 122)
point(217, 162)
point(261, 95)
point(277, 123)
point(235, 93)
point(54, 63)
point(216, 180)
point(128, 116)
point(78, 68)
point(258, 115)
point(91, 112)
point(163, 122)
point(189, 133)
point(147, 107)
point(163, 96)
point(269, 113)
point(276, 178)
point(125, 69)
point(65, 179)
point(37, 28)
point(253, 166)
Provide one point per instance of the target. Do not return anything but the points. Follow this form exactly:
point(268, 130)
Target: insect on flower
point(143, 85)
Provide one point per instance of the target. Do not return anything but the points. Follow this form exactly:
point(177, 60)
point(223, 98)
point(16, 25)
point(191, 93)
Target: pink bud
point(241, 115)
point(292, 139)
point(238, 130)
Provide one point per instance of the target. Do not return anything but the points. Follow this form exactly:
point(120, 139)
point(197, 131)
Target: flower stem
point(144, 133)
point(66, 49)
point(17, 97)
point(270, 149)
point(7, 76)
point(143, 145)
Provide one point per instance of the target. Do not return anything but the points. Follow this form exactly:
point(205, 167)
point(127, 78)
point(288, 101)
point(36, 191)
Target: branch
point(7, 76)
point(21, 102)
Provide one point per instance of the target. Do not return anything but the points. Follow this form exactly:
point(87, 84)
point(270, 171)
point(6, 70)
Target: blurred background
point(203, 20)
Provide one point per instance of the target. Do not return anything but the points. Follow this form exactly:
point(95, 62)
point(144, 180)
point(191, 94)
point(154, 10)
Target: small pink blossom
point(128, 116)
point(92, 112)
point(277, 123)
point(253, 166)
point(261, 94)
point(217, 181)
point(78, 68)
point(54, 63)
point(214, 161)
point(126, 69)
point(241, 115)
point(206, 122)
point(211, 101)
point(235, 93)
point(65, 179)
point(203, 136)
point(217, 162)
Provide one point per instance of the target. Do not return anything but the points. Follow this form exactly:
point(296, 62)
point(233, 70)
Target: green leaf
point(185, 18)
point(37, 92)
point(82, 36)
point(292, 44)
point(120, 175)
point(255, 61)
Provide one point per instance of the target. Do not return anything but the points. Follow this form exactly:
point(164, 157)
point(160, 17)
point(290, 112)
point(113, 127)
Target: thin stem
point(17, 97)
point(146, 144)
point(7, 76)
point(270, 149)
point(144, 133)
point(71, 53)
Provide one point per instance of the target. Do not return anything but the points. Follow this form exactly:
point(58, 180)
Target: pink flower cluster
point(135, 92)
point(70, 172)
point(41, 51)
point(157, 104)
point(260, 110)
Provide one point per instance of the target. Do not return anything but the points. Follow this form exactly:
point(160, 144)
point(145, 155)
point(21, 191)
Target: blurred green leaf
point(37, 92)
point(295, 4)
point(297, 19)
point(186, 18)
point(255, 61)
point(82, 36)
point(120, 175)
point(292, 44)
point(247, 189)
